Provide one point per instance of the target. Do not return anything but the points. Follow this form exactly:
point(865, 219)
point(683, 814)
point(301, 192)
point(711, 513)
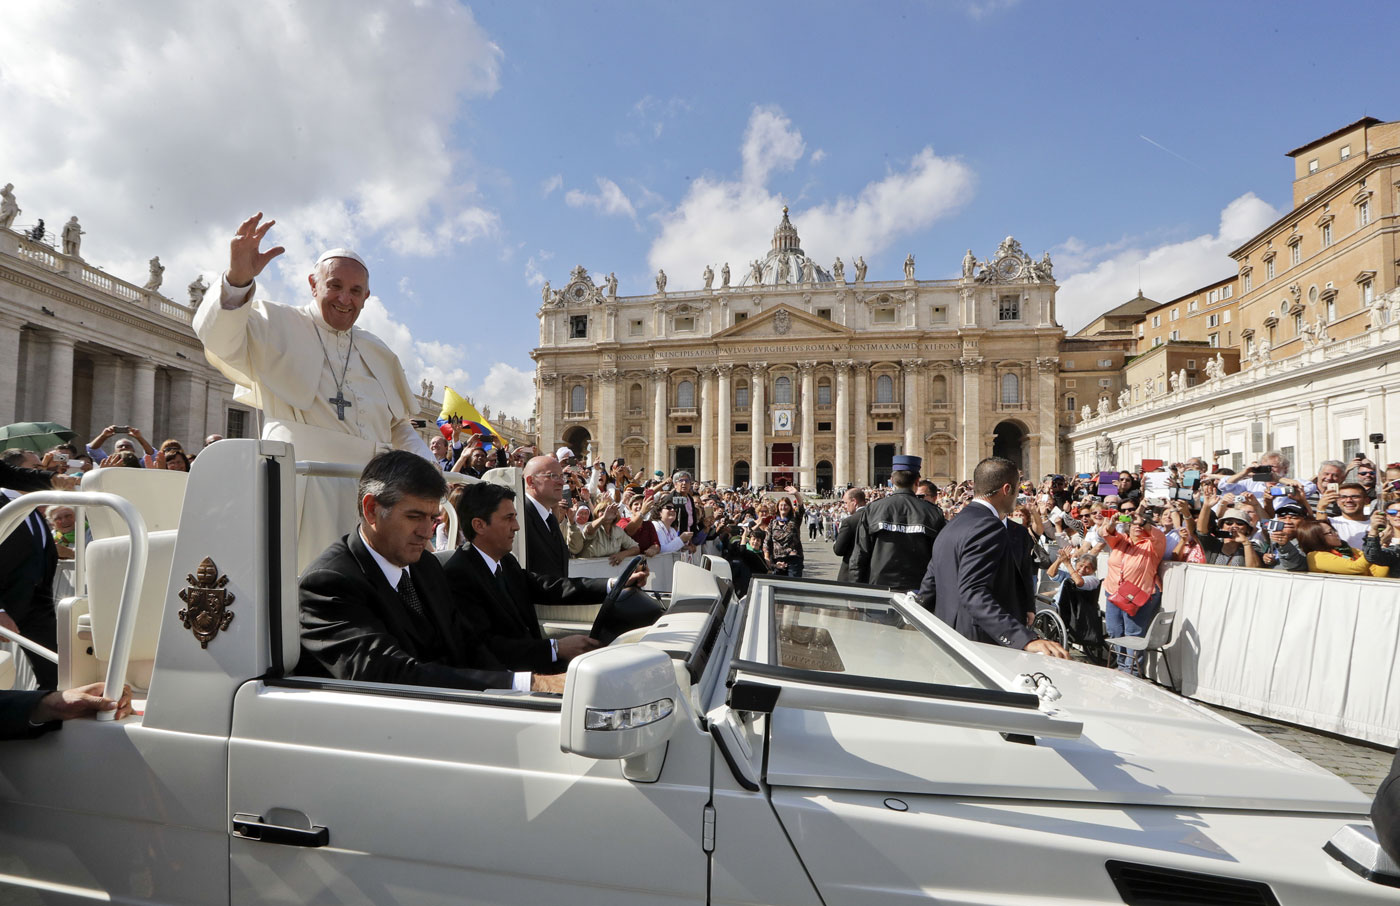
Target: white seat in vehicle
point(159, 496)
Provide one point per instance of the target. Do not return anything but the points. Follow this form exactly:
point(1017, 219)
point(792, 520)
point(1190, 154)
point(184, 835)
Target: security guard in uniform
point(895, 539)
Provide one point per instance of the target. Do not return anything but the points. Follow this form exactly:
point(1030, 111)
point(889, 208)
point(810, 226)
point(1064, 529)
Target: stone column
point(707, 471)
point(548, 433)
point(723, 465)
point(58, 394)
point(1047, 368)
point(758, 423)
point(913, 409)
point(972, 440)
point(842, 475)
point(9, 369)
point(605, 445)
point(861, 413)
point(807, 461)
point(661, 395)
point(143, 397)
point(105, 391)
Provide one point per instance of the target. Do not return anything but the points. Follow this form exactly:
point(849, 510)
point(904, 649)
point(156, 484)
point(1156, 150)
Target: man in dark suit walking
point(546, 552)
point(845, 544)
point(976, 580)
point(374, 607)
point(28, 559)
point(498, 596)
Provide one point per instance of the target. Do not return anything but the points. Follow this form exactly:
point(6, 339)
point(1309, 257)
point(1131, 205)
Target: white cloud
point(163, 124)
point(656, 114)
point(723, 220)
point(551, 185)
point(508, 389)
point(771, 143)
point(1101, 278)
point(818, 156)
point(534, 273)
point(610, 199)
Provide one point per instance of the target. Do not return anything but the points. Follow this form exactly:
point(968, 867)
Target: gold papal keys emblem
point(207, 603)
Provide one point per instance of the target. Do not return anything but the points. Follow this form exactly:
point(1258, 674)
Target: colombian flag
point(472, 420)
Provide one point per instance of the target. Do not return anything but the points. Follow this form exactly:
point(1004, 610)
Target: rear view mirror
point(620, 702)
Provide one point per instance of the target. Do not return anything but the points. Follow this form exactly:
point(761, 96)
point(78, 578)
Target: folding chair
point(1158, 636)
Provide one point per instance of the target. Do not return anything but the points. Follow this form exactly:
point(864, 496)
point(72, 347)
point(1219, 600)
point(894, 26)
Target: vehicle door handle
point(254, 827)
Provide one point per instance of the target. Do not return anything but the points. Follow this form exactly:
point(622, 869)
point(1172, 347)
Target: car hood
point(1140, 745)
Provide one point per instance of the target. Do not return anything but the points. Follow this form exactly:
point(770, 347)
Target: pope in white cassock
point(335, 391)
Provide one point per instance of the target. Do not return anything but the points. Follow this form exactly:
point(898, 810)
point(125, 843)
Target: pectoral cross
point(340, 403)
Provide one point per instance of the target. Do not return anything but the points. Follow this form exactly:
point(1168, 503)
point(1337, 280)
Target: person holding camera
point(1131, 584)
point(1381, 543)
point(1279, 550)
point(1259, 476)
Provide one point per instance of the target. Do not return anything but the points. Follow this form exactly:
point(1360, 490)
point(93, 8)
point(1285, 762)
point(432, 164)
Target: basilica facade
point(784, 371)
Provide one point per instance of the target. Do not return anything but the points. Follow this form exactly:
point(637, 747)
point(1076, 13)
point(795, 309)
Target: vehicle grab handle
point(254, 827)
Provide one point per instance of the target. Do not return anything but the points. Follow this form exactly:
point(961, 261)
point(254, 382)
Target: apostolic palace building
point(784, 371)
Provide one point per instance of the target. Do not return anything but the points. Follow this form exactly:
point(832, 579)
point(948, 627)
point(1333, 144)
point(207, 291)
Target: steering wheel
point(613, 620)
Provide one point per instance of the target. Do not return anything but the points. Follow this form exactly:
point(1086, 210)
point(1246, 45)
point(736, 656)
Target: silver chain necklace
point(338, 401)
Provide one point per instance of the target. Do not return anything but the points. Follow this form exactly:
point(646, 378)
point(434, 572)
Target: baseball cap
point(1282, 508)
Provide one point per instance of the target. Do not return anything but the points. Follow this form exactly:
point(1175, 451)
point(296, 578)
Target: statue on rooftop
point(612, 285)
point(1125, 398)
point(909, 267)
point(1105, 458)
point(969, 265)
point(809, 271)
point(709, 277)
point(661, 281)
point(784, 269)
point(1104, 407)
point(157, 274)
point(1085, 413)
point(8, 209)
point(838, 270)
point(860, 269)
point(756, 271)
point(724, 276)
point(197, 289)
point(72, 237)
point(1320, 329)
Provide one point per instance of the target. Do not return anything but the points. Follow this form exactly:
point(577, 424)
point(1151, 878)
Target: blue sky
point(472, 152)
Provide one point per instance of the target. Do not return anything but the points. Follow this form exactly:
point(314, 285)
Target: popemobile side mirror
point(621, 702)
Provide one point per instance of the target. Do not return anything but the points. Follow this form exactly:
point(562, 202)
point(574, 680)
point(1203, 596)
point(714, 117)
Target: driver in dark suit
point(845, 544)
point(976, 580)
point(498, 596)
point(374, 608)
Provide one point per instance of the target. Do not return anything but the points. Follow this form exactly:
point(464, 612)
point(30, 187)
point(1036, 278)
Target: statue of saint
point(838, 270)
point(756, 271)
point(1175, 380)
point(709, 277)
point(8, 209)
point(72, 236)
point(724, 276)
point(809, 271)
point(545, 293)
point(1125, 398)
point(197, 289)
point(612, 285)
point(1308, 335)
point(969, 265)
point(784, 269)
point(661, 281)
point(1320, 328)
point(157, 274)
point(860, 269)
point(1264, 350)
point(1220, 364)
point(1085, 413)
point(1104, 453)
point(1104, 407)
point(1047, 268)
point(909, 267)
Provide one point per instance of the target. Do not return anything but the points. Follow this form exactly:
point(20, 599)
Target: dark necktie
point(500, 577)
point(553, 523)
point(409, 594)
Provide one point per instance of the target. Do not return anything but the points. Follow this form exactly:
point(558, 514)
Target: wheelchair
point(1070, 617)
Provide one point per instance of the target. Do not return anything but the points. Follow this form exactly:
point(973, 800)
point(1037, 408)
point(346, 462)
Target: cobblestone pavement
point(1363, 766)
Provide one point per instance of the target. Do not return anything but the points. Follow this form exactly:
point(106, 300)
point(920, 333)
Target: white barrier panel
point(1314, 650)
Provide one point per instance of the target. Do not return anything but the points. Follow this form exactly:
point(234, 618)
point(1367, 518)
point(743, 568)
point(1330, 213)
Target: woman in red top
point(1132, 572)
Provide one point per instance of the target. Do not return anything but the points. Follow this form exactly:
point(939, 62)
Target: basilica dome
point(785, 263)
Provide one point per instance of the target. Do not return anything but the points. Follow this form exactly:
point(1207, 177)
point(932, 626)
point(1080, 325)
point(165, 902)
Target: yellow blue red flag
point(454, 406)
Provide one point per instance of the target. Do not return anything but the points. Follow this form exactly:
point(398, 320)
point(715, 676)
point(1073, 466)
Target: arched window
point(824, 392)
point(884, 389)
point(578, 398)
point(741, 395)
point(1010, 389)
point(685, 395)
point(940, 389)
point(634, 397)
point(782, 390)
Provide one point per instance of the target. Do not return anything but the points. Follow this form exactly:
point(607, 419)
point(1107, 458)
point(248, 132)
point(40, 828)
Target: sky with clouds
point(472, 152)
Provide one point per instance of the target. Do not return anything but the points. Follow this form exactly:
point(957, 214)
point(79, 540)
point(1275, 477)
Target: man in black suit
point(976, 581)
point(845, 544)
point(28, 559)
point(375, 607)
point(498, 596)
point(546, 552)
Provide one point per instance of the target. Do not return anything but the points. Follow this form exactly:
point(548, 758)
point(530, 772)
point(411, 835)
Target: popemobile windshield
point(811, 743)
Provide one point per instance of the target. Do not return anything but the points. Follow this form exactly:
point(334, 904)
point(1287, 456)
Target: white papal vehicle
point(811, 743)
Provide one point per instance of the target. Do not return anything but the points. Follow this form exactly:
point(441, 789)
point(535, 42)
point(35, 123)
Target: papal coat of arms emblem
point(207, 603)
point(782, 322)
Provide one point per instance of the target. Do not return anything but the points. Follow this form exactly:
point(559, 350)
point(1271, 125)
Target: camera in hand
point(1263, 473)
point(122, 429)
point(1377, 439)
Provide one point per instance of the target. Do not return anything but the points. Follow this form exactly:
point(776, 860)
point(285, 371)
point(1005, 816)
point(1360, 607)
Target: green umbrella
point(37, 436)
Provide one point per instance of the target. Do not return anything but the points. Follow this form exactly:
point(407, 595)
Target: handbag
point(1129, 598)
